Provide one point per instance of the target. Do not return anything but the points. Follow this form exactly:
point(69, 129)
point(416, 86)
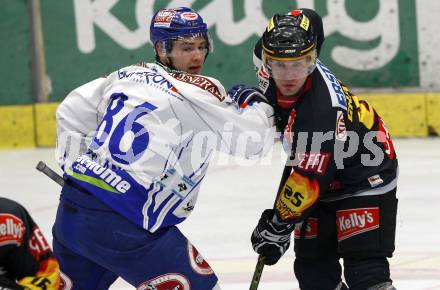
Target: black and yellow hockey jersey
point(340, 147)
point(26, 259)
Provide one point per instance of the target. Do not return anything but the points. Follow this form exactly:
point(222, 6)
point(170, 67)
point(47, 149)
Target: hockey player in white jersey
point(155, 127)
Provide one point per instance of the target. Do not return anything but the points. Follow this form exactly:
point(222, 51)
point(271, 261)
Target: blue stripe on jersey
point(198, 183)
point(146, 205)
point(171, 219)
point(180, 153)
point(188, 180)
point(153, 215)
point(205, 162)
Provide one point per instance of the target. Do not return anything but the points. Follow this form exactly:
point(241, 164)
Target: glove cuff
point(282, 228)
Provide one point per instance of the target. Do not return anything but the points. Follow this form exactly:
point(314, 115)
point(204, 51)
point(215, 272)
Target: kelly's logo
point(12, 230)
point(351, 222)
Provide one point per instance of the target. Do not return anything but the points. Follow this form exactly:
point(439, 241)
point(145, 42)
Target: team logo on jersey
point(315, 162)
point(12, 230)
point(263, 79)
point(149, 77)
point(99, 176)
point(201, 82)
point(341, 129)
point(298, 194)
point(311, 230)
point(352, 222)
point(38, 244)
point(166, 282)
point(333, 85)
point(198, 263)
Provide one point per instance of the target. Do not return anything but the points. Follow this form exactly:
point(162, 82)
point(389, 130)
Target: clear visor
point(189, 45)
point(290, 69)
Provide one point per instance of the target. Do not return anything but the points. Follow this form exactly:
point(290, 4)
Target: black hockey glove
point(7, 284)
point(270, 238)
point(243, 95)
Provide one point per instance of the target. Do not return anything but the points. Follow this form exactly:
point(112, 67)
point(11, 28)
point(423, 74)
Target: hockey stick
point(41, 166)
point(260, 263)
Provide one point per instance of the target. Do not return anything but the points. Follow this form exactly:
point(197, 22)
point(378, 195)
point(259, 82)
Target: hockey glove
point(244, 96)
point(270, 238)
point(7, 284)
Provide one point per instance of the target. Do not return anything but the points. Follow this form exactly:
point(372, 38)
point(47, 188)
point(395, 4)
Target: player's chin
point(288, 90)
point(196, 69)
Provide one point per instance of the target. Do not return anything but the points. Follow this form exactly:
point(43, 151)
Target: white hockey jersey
point(141, 139)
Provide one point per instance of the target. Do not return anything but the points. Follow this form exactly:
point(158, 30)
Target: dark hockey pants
point(360, 230)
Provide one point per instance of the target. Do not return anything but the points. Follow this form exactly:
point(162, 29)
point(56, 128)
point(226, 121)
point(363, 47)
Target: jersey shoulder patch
point(201, 82)
point(335, 90)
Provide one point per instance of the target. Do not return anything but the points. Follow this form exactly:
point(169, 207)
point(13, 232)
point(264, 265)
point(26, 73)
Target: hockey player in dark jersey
point(338, 193)
point(26, 260)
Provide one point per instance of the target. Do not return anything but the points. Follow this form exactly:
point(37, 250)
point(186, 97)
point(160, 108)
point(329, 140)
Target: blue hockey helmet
point(178, 23)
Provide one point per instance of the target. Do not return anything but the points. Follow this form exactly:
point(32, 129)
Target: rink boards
point(406, 115)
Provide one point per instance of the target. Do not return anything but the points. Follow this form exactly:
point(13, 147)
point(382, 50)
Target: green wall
point(370, 44)
point(15, 55)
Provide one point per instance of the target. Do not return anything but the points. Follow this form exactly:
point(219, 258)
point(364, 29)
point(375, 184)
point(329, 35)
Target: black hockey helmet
point(289, 46)
point(289, 36)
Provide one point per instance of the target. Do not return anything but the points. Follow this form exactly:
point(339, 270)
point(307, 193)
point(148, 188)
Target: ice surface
point(232, 198)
